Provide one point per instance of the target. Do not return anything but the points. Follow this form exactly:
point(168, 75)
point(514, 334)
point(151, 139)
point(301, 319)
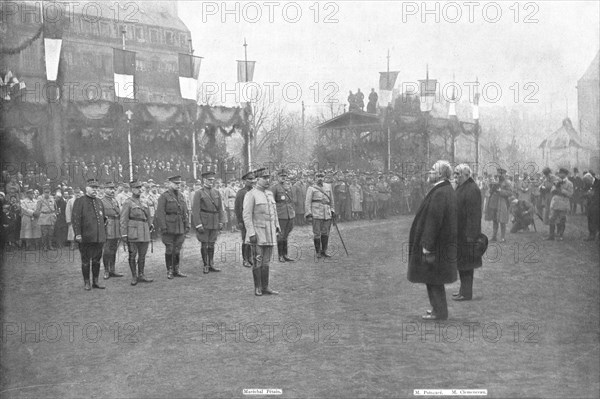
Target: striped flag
point(189, 69)
point(124, 72)
point(245, 71)
point(387, 81)
point(53, 33)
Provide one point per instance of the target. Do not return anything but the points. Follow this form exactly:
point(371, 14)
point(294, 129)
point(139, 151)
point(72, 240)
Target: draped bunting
point(24, 45)
point(225, 118)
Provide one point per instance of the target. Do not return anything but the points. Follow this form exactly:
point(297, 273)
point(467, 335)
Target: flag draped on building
point(428, 88)
point(387, 81)
point(52, 48)
point(189, 69)
point(124, 73)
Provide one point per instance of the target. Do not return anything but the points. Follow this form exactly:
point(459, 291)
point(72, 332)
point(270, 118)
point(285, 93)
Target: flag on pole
point(242, 68)
point(452, 104)
point(124, 71)
point(476, 106)
point(428, 89)
point(189, 69)
point(387, 81)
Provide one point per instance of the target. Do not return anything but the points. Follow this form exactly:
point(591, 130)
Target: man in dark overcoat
point(468, 205)
point(593, 205)
point(249, 181)
point(89, 228)
point(433, 239)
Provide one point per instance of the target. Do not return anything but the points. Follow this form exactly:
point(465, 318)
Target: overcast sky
point(552, 53)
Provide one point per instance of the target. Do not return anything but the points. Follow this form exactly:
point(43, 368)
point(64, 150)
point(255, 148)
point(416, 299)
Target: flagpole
point(388, 110)
point(129, 113)
point(249, 145)
point(427, 113)
point(194, 155)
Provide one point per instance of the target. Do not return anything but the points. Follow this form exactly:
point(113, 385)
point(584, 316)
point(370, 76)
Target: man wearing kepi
point(208, 216)
point(112, 212)
point(249, 181)
point(282, 191)
point(262, 227)
point(433, 241)
point(319, 207)
point(136, 227)
point(88, 225)
point(562, 191)
point(173, 222)
point(468, 200)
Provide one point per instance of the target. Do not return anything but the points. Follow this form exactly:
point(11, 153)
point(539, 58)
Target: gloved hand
point(253, 239)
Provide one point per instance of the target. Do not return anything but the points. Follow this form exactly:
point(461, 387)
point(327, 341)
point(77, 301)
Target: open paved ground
point(348, 328)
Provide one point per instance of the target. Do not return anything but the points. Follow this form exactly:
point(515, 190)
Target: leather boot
point(256, 274)
point(141, 277)
point(324, 244)
point(176, 271)
point(285, 252)
point(204, 252)
point(551, 236)
point(106, 262)
point(265, 281)
point(280, 251)
point(560, 231)
point(134, 280)
point(113, 273)
point(95, 283)
point(86, 285)
point(317, 242)
point(211, 262)
point(85, 270)
point(245, 256)
point(169, 262)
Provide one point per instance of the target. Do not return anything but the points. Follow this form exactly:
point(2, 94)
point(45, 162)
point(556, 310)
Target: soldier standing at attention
point(282, 192)
point(208, 216)
point(88, 225)
point(113, 231)
point(319, 207)
point(173, 221)
point(46, 212)
point(262, 227)
point(249, 181)
point(136, 225)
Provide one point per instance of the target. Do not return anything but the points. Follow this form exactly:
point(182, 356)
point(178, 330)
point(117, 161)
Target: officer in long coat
point(468, 200)
point(172, 219)
point(46, 212)
point(262, 228)
point(30, 229)
point(286, 212)
point(319, 205)
point(561, 192)
point(593, 205)
point(89, 226)
point(249, 181)
point(136, 225)
point(299, 191)
point(112, 211)
point(433, 241)
point(208, 217)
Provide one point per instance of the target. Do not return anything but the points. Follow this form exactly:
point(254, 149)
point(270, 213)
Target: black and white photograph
point(299, 199)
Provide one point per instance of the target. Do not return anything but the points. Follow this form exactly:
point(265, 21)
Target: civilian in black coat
point(89, 227)
point(468, 204)
point(593, 205)
point(433, 239)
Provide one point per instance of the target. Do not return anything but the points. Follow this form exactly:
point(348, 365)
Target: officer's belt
point(172, 213)
point(113, 216)
point(321, 201)
point(138, 219)
point(205, 211)
point(47, 212)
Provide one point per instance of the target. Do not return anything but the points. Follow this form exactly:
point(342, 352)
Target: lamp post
point(129, 114)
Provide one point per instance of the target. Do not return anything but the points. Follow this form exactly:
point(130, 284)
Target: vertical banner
point(428, 89)
point(124, 73)
point(245, 71)
point(387, 81)
point(52, 49)
point(189, 69)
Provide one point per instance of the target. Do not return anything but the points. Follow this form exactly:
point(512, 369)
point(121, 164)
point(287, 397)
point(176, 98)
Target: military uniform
point(112, 211)
point(88, 224)
point(239, 213)
point(172, 219)
point(136, 225)
point(208, 216)
point(383, 198)
point(46, 211)
point(262, 226)
point(286, 212)
point(319, 206)
point(560, 205)
point(30, 229)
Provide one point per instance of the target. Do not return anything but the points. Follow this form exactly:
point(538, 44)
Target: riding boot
point(280, 251)
point(106, 263)
point(551, 236)
point(141, 277)
point(317, 242)
point(113, 261)
point(95, 283)
point(132, 267)
point(324, 243)
point(204, 252)
point(211, 261)
point(265, 281)
point(285, 252)
point(176, 271)
point(169, 263)
point(256, 274)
